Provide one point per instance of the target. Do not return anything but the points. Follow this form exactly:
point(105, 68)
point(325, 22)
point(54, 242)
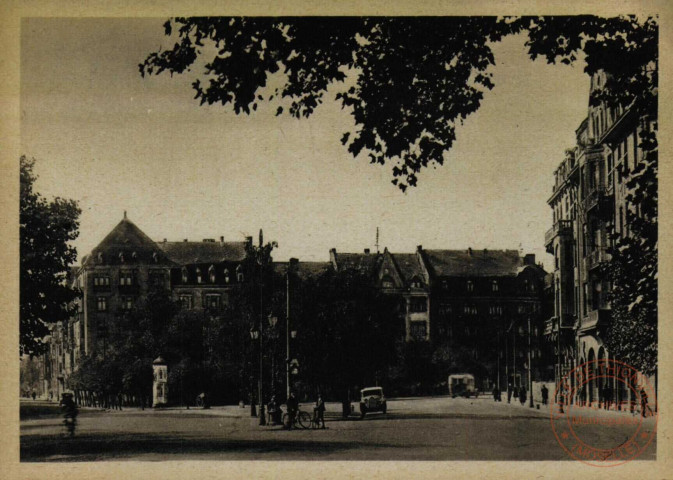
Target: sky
point(103, 135)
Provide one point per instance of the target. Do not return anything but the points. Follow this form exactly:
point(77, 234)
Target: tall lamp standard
point(254, 335)
point(257, 334)
point(289, 333)
point(273, 320)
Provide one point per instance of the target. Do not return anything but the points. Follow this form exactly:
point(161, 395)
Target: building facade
point(121, 271)
point(589, 211)
point(489, 305)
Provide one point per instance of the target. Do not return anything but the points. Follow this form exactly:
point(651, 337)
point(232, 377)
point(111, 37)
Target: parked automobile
point(372, 400)
point(462, 385)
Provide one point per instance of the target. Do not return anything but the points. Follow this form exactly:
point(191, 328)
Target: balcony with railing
point(597, 257)
point(561, 227)
point(598, 199)
point(551, 324)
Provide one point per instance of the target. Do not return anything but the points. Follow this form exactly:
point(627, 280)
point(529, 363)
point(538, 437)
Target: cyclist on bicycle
point(292, 407)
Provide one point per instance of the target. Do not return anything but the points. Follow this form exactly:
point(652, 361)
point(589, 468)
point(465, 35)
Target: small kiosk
point(160, 383)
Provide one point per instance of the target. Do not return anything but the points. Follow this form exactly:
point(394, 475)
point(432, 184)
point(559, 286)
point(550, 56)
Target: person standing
point(643, 402)
point(509, 392)
point(522, 395)
point(319, 412)
point(496, 394)
point(292, 407)
point(545, 394)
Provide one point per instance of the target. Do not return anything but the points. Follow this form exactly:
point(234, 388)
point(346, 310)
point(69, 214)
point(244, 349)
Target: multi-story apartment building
point(589, 205)
point(487, 303)
point(122, 270)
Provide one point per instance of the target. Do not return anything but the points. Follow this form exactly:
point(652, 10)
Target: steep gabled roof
point(364, 262)
point(408, 266)
point(463, 263)
point(186, 253)
point(127, 239)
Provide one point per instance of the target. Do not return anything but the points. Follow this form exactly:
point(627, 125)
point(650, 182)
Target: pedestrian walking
point(643, 402)
point(496, 394)
point(292, 407)
point(607, 396)
point(34, 395)
point(545, 394)
point(515, 393)
point(509, 392)
point(319, 412)
point(522, 395)
point(272, 411)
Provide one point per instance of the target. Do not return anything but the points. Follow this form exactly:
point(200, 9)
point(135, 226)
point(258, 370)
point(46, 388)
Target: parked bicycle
point(301, 420)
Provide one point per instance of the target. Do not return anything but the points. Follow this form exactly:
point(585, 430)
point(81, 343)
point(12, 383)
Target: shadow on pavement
point(84, 448)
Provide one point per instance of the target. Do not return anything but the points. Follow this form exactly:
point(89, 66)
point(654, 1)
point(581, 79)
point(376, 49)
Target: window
point(211, 274)
point(418, 304)
point(470, 310)
point(418, 330)
point(213, 301)
point(101, 281)
point(495, 286)
point(126, 303)
point(101, 304)
point(239, 274)
point(586, 298)
point(186, 302)
point(416, 282)
point(470, 286)
point(445, 284)
point(185, 275)
point(387, 282)
point(226, 275)
point(199, 279)
point(125, 278)
point(445, 309)
point(495, 310)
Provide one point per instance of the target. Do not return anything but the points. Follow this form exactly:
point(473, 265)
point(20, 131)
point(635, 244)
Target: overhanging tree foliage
point(46, 229)
point(408, 82)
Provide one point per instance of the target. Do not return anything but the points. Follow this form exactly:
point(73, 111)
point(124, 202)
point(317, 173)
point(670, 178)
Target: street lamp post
point(254, 335)
point(530, 367)
point(272, 323)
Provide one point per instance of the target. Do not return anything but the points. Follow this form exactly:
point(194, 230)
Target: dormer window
point(226, 275)
point(121, 257)
point(470, 286)
point(185, 275)
point(155, 257)
point(495, 287)
point(100, 257)
point(211, 274)
point(416, 282)
point(239, 274)
point(134, 256)
point(199, 279)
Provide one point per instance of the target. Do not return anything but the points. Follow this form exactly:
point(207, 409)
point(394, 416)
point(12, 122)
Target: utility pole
point(530, 368)
point(287, 332)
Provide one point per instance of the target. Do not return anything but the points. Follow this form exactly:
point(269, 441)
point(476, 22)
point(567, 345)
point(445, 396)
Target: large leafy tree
point(408, 82)
point(348, 332)
point(46, 228)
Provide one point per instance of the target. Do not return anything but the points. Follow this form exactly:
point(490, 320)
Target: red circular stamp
point(604, 413)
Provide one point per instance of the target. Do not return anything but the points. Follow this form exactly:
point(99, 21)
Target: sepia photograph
point(339, 238)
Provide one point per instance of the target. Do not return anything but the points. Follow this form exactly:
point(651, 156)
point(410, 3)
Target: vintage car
point(372, 400)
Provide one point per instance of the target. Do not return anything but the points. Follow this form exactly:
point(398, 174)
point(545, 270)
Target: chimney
point(292, 265)
point(469, 251)
point(164, 240)
point(248, 241)
point(185, 240)
point(222, 240)
point(485, 251)
point(529, 259)
point(419, 248)
point(367, 251)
